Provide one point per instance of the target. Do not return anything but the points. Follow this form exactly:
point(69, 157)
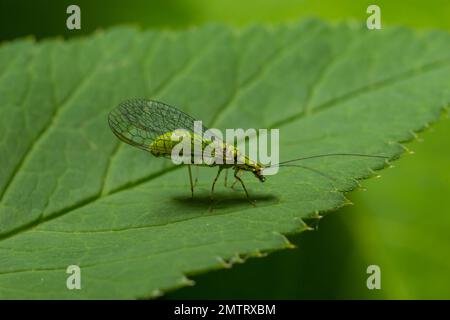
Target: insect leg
point(243, 185)
point(215, 180)
point(190, 180)
point(235, 181)
point(196, 176)
point(226, 177)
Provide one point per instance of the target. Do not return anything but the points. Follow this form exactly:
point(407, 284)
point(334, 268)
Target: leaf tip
point(156, 293)
point(348, 202)
point(187, 282)
point(260, 254)
point(290, 245)
point(223, 263)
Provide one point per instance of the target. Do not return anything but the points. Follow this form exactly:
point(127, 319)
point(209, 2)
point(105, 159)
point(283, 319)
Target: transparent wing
point(139, 122)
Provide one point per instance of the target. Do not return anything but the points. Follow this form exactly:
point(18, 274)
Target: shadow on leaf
point(223, 200)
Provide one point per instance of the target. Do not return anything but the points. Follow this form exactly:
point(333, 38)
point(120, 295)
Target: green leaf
point(72, 194)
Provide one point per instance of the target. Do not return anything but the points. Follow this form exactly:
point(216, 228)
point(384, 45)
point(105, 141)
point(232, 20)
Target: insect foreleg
point(214, 182)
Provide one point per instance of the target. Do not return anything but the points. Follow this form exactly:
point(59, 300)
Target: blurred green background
point(401, 223)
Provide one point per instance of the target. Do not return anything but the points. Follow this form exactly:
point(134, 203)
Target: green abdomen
point(164, 144)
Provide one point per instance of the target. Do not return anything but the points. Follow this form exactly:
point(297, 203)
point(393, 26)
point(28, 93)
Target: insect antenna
point(310, 169)
point(332, 155)
point(287, 163)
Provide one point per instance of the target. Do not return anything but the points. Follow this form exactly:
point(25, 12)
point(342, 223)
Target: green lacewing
point(151, 126)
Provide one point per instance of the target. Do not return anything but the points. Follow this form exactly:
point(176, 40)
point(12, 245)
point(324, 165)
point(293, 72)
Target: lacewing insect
point(151, 126)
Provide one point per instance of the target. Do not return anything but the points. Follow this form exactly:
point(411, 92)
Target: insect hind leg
point(243, 186)
point(236, 181)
